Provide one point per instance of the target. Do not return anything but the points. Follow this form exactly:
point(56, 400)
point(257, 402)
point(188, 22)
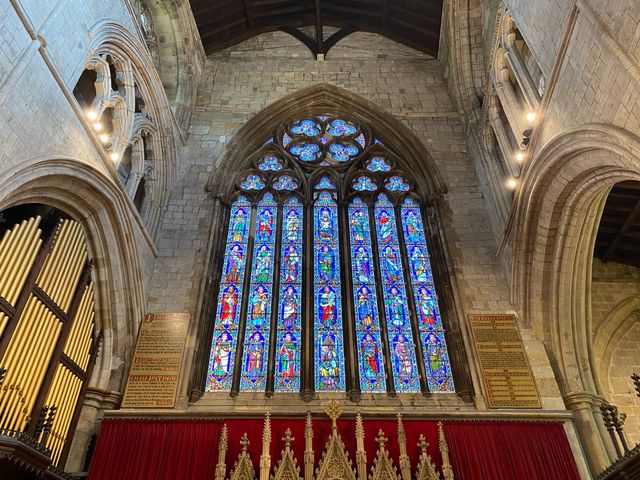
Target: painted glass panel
point(256, 339)
point(378, 164)
point(289, 330)
point(325, 184)
point(370, 358)
point(285, 182)
point(436, 358)
point(307, 152)
point(364, 184)
point(342, 152)
point(225, 332)
point(270, 163)
point(403, 354)
point(397, 184)
point(339, 128)
point(329, 345)
point(252, 182)
point(307, 127)
point(361, 140)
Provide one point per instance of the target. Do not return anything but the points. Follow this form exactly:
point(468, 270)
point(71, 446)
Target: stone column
point(604, 435)
point(521, 73)
point(504, 142)
point(581, 404)
point(510, 104)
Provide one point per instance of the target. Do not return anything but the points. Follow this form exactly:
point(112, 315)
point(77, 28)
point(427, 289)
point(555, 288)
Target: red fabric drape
point(188, 449)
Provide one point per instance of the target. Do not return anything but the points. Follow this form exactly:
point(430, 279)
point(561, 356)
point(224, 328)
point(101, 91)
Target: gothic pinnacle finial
point(423, 444)
point(381, 439)
point(288, 439)
point(244, 442)
point(333, 411)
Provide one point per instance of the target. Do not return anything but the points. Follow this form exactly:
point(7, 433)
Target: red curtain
point(188, 449)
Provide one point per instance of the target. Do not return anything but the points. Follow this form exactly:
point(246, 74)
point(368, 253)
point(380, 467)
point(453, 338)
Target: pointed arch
point(328, 98)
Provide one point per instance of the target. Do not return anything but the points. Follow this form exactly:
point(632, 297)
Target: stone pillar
point(604, 435)
point(510, 104)
point(504, 142)
point(581, 404)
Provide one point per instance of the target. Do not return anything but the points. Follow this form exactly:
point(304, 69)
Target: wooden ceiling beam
point(319, 35)
point(249, 13)
point(633, 217)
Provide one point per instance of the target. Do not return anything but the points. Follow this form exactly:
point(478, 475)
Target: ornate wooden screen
point(47, 331)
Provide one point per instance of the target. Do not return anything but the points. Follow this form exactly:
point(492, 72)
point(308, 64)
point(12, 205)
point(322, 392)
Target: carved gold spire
point(381, 439)
point(426, 470)
point(383, 468)
point(287, 439)
point(405, 464)
point(221, 467)
point(447, 470)
point(244, 442)
point(265, 458)
point(361, 454)
point(308, 448)
point(243, 468)
point(287, 468)
point(333, 411)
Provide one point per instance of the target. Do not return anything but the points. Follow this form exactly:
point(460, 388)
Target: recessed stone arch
point(98, 205)
point(558, 210)
point(319, 98)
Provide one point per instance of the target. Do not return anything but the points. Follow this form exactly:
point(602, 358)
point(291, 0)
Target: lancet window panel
point(326, 264)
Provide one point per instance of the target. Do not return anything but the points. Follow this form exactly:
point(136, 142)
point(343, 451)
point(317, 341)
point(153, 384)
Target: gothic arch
point(324, 96)
point(113, 38)
point(557, 215)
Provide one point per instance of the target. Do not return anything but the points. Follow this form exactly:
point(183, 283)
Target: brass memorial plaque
point(503, 361)
point(155, 369)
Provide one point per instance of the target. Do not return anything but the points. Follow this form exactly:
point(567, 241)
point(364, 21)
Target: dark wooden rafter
point(618, 236)
point(223, 23)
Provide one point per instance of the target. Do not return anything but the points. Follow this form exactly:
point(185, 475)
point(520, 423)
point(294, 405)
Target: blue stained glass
point(289, 330)
point(307, 152)
point(377, 141)
point(286, 139)
point(220, 371)
point(378, 164)
point(270, 163)
point(364, 184)
point(329, 350)
point(403, 355)
point(308, 128)
point(339, 128)
point(397, 184)
point(436, 358)
point(252, 182)
point(371, 361)
point(361, 140)
point(342, 153)
point(253, 375)
point(323, 118)
point(325, 183)
point(285, 182)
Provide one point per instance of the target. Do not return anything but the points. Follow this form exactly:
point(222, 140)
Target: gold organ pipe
point(25, 265)
point(65, 418)
point(86, 328)
point(7, 255)
point(30, 361)
point(39, 369)
point(53, 258)
point(34, 321)
point(19, 257)
point(7, 249)
point(83, 353)
point(3, 322)
point(74, 339)
point(52, 395)
point(70, 281)
point(62, 259)
point(18, 335)
point(73, 258)
point(58, 399)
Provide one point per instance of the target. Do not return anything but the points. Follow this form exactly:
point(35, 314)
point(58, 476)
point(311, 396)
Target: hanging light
point(512, 183)
point(531, 117)
point(114, 156)
point(520, 157)
point(97, 126)
point(104, 138)
point(91, 115)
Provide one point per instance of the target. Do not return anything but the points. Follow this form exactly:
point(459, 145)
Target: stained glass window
point(256, 338)
point(436, 358)
point(367, 325)
point(225, 331)
point(363, 184)
point(285, 182)
point(329, 353)
point(270, 163)
point(403, 354)
point(289, 330)
point(252, 182)
point(264, 292)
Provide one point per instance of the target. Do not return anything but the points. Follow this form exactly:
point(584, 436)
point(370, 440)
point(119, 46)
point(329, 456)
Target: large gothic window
point(326, 271)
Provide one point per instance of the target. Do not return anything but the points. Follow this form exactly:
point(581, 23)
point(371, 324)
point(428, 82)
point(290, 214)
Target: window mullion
point(242, 324)
point(307, 373)
point(411, 302)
